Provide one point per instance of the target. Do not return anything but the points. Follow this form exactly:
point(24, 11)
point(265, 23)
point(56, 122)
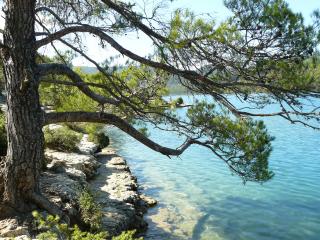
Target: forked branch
point(62, 69)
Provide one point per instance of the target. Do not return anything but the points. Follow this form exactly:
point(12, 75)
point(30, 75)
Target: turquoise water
point(200, 199)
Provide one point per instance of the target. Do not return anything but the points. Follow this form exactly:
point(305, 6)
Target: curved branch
point(133, 18)
point(119, 123)
point(194, 77)
point(62, 69)
point(190, 75)
point(59, 34)
point(46, 9)
point(75, 84)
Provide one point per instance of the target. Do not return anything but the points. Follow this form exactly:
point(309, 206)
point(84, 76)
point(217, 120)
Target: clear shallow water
point(200, 199)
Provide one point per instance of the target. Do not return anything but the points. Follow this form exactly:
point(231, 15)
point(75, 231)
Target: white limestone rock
point(117, 194)
point(64, 162)
point(10, 228)
point(87, 147)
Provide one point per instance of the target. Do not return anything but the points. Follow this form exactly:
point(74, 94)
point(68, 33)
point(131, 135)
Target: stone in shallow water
point(148, 200)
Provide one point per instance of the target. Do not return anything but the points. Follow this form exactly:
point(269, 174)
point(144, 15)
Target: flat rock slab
point(10, 229)
point(62, 161)
point(59, 185)
point(117, 193)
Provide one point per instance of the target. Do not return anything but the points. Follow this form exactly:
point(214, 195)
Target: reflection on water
point(200, 199)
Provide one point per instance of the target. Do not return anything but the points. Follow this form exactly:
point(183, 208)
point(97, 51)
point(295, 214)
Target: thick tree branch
point(193, 76)
point(119, 123)
point(105, 73)
point(62, 69)
point(75, 84)
point(198, 80)
point(59, 34)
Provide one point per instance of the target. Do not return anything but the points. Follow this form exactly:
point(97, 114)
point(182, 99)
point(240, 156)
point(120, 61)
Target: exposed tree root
point(6, 211)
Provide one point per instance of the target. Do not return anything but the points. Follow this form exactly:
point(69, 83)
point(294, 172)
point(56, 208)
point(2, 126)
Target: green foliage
point(177, 102)
point(263, 47)
point(129, 235)
point(3, 134)
point(274, 19)
point(139, 84)
point(67, 98)
point(186, 25)
point(77, 127)
point(94, 130)
point(101, 139)
point(243, 144)
point(96, 134)
point(252, 22)
point(91, 212)
point(62, 139)
point(52, 229)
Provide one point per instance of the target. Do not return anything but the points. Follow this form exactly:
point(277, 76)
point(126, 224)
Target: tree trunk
point(21, 167)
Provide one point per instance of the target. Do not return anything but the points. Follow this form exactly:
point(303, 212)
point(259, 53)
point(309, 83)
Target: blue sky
point(215, 7)
point(306, 7)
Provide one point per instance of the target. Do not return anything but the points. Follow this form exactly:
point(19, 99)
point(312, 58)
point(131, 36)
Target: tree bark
point(21, 167)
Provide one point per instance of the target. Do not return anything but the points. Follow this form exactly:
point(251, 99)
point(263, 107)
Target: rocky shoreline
point(104, 173)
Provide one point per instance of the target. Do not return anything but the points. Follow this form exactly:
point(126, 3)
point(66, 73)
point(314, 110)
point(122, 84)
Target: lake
point(200, 199)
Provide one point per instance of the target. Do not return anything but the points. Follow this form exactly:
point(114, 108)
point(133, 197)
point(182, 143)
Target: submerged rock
point(149, 201)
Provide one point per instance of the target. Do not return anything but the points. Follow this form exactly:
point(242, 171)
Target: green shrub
point(96, 134)
point(179, 101)
point(91, 128)
point(52, 229)
point(101, 139)
point(77, 127)
point(3, 135)
point(129, 235)
point(91, 212)
point(94, 130)
point(62, 139)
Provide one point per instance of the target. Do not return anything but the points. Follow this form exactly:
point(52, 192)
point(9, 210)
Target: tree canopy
point(263, 54)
